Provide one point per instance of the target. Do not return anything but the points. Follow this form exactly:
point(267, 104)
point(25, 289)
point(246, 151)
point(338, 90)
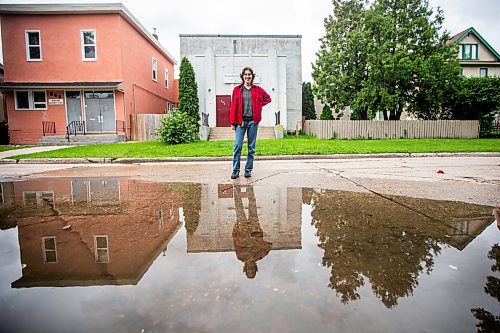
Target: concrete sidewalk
point(30, 150)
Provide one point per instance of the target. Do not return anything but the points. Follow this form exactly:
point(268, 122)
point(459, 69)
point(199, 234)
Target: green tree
point(407, 56)
point(326, 114)
point(188, 91)
point(475, 98)
point(389, 57)
point(341, 67)
point(308, 110)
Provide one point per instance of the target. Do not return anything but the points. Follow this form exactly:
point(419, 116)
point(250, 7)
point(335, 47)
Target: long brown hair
point(243, 72)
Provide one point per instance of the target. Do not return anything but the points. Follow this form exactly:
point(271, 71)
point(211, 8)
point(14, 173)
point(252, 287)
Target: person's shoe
point(248, 174)
point(235, 175)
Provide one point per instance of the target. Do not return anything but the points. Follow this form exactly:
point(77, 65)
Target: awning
point(60, 85)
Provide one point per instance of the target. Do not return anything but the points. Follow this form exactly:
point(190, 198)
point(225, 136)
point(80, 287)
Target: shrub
point(326, 114)
point(177, 128)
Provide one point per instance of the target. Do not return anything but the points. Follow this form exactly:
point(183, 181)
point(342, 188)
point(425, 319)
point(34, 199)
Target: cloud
point(289, 17)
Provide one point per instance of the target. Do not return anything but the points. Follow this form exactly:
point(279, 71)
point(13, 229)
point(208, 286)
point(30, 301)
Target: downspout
point(133, 105)
point(133, 97)
point(125, 114)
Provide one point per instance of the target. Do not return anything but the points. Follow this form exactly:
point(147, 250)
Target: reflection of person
point(245, 114)
point(496, 214)
point(248, 236)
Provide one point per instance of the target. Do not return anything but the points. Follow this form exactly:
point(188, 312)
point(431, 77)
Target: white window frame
point(83, 44)
point(31, 100)
point(44, 250)
point(166, 78)
point(28, 45)
point(101, 248)
point(472, 48)
point(485, 70)
point(154, 73)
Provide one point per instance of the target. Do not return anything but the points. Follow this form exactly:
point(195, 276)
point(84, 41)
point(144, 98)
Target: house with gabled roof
point(476, 56)
point(82, 68)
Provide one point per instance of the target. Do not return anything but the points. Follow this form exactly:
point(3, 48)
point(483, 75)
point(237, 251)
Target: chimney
point(154, 34)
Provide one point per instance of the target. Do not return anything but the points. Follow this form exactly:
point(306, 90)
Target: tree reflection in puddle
point(388, 240)
point(489, 322)
point(225, 248)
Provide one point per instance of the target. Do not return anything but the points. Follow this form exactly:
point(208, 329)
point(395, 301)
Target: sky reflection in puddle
point(124, 255)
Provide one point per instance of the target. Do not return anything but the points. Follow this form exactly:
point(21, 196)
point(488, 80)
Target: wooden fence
point(143, 126)
point(392, 129)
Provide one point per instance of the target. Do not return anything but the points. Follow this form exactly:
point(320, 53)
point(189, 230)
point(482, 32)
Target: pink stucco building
point(87, 66)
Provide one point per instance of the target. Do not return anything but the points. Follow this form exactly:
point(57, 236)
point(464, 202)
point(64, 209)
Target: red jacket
point(259, 98)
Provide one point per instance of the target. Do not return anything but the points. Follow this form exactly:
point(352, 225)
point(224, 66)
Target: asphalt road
point(472, 179)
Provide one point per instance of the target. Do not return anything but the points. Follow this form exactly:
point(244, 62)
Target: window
point(101, 249)
point(166, 78)
point(155, 70)
point(49, 249)
point(38, 198)
point(89, 46)
point(33, 45)
point(469, 52)
point(30, 100)
point(483, 72)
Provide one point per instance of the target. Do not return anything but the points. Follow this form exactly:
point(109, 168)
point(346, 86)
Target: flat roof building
point(218, 60)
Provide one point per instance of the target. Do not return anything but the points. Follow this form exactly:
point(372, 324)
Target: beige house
point(477, 57)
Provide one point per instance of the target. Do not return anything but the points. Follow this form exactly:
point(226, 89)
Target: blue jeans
point(239, 133)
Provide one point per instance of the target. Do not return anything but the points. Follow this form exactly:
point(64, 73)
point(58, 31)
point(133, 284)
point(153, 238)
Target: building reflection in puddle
point(251, 221)
point(93, 231)
point(388, 240)
point(100, 231)
point(97, 231)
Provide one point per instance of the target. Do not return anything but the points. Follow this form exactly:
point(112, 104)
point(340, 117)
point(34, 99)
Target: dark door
point(99, 111)
point(222, 110)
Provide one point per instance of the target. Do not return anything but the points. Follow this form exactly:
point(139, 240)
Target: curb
point(229, 158)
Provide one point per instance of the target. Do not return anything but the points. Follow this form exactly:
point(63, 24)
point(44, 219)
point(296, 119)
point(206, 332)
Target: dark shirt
point(247, 103)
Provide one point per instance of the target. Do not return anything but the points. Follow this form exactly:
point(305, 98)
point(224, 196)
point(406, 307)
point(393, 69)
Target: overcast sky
point(274, 17)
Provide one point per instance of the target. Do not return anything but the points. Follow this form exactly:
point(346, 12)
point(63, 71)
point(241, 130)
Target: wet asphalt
point(465, 177)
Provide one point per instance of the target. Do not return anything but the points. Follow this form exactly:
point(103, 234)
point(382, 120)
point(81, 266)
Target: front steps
point(226, 133)
point(81, 140)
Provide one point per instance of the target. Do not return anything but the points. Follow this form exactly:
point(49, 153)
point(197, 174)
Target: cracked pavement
point(472, 179)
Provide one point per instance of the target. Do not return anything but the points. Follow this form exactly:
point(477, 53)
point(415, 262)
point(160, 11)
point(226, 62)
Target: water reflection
point(92, 231)
point(388, 241)
point(224, 208)
point(109, 231)
point(489, 322)
point(248, 236)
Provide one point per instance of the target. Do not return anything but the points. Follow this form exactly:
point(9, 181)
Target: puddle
point(124, 255)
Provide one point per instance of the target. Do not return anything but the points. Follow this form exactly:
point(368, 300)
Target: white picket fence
point(392, 129)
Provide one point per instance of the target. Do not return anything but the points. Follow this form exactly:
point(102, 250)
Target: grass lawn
point(5, 148)
point(291, 145)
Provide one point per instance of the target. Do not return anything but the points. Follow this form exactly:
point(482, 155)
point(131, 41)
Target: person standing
point(245, 113)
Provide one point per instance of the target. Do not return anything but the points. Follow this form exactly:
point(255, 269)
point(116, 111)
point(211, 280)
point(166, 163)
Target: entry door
point(73, 106)
point(222, 110)
point(100, 111)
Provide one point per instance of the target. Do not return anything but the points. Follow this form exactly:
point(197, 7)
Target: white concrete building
point(218, 60)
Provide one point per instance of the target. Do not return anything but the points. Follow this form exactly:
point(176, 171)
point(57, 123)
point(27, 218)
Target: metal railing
point(277, 118)
point(48, 127)
point(75, 127)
